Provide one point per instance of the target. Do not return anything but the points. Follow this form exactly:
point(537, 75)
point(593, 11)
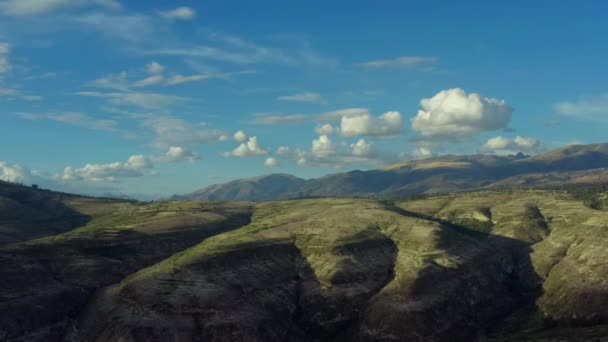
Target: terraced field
point(507, 265)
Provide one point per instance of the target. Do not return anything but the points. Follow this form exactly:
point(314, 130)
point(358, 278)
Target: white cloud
point(304, 97)
point(35, 7)
point(31, 97)
point(422, 152)
point(180, 13)
point(504, 145)
point(324, 129)
point(279, 119)
point(590, 108)
point(173, 131)
point(283, 151)
point(361, 148)
point(154, 68)
point(112, 81)
point(138, 162)
point(322, 147)
point(5, 65)
point(405, 61)
point(337, 115)
point(155, 76)
point(233, 49)
point(110, 172)
point(247, 149)
point(149, 81)
point(76, 119)
point(271, 162)
point(453, 113)
point(144, 100)
point(386, 125)
point(177, 154)
point(326, 153)
point(133, 28)
point(14, 173)
point(240, 136)
point(224, 137)
point(179, 79)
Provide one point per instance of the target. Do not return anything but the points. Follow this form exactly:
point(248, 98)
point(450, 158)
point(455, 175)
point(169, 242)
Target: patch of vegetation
point(594, 196)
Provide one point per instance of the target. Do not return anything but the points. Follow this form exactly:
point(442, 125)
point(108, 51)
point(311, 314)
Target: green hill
point(494, 265)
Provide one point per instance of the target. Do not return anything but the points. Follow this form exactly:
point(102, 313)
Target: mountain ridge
point(432, 175)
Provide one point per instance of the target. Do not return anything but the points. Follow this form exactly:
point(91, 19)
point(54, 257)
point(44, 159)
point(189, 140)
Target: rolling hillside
point(435, 175)
point(504, 265)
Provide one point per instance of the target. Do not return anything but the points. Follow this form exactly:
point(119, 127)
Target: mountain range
point(443, 174)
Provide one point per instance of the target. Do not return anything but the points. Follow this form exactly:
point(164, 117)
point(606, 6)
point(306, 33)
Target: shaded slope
point(46, 282)
point(314, 269)
point(27, 213)
point(261, 188)
point(567, 240)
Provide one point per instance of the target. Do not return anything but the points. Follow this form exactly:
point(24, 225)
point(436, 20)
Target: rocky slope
point(442, 174)
point(450, 267)
point(496, 265)
point(46, 282)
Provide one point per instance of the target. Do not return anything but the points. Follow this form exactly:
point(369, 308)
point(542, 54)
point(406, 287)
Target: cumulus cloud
point(324, 129)
point(178, 154)
point(504, 145)
point(303, 97)
point(590, 108)
point(361, 148)
point(14, 173)
point(36, 7)
point(404, 61)
point(179, 13)
point(154, 68)
point(271, 162)
point(247, 149)
point(325, 153)
point(111, 172)
point(139, 162)
point(454, 113)
point(240, 136)
point(386, 125)
point(283, 151)
point(322, 147)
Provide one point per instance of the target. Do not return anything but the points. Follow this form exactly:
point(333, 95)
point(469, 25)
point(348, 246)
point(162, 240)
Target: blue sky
point(145, 98)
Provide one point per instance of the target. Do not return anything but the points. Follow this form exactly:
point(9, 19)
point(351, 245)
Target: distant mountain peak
point(430, 175)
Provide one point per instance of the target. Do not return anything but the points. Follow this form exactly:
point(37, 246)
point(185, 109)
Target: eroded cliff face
point(497, 265)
